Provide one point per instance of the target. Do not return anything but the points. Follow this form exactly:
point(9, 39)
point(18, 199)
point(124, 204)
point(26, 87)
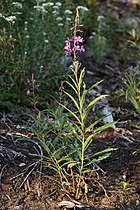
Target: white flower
point(46, 41)
point(10, 18)
point(59, 4)
point(100, 17)
point(59, 19)
point(93, 33)
point(48, 4)
point(44, 11)
point(27, 36)
point(55, 7)
point(17, 4)
point(44, 33)
point(60, 24)
point(25, 22)
point(68, 12)
point(39, 7)
point(68, 19)
point(25, 28)
point(25, 52)
point(91, 37)
point(82, 8)
point(55, 12)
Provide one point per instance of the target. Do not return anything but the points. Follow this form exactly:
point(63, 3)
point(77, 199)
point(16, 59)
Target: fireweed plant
point(63, 134)
point(82, 133)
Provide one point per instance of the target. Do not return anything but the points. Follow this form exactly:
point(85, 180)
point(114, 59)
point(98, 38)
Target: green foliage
point(133, 88)
point(130, 49)
point(32, 39)
point(124, 186)
point(98, 40)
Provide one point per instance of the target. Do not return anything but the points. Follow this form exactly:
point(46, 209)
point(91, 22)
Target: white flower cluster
point(17, 4)
point(41, 9)
point(10, 19)
point(100, 17)
point(68, 12)
point(82, 8)
point(45, 7)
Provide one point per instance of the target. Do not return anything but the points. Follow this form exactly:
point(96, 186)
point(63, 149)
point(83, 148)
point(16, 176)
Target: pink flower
point(82, 49)
point(78, 47)
point(67, 47)
point(78, 39)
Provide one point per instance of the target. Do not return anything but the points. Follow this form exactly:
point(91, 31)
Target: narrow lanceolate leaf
point(72, 87)
point(104, 127)
point(88, 129)
point(64, 160)
point(79, 129)
point(72, 98)
point(74, 82)
point(91, 104)
point(88, 141)
point(82, 101)
point(68, 163)
point(90, 162)
point(58, 151)
point(94, 85)
point(104, 156)
point(81, 79)
point(108, 150)
point(72, 113)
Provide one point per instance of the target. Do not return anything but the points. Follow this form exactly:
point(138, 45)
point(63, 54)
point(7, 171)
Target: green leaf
point(94, 85)
point(54, 168)
point(78, 130)
point(104, 156)
point(91, 104)
point(88, 141)
point(90, 162)
point(82, 101)
point(134, 124)
point(72, 87)
point(104, 127)
point(58, 152)
point(108, 150)
point(72, 98)
point(88, 129)
point(68, 162)
point(74, 82)
point(81, 78)
point(72, 113)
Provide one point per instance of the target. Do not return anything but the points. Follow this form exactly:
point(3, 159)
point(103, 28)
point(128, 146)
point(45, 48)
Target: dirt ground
point(24, 185)
point(23, 181)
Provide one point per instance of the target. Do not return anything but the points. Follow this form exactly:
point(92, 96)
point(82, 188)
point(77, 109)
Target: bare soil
point(24, 184)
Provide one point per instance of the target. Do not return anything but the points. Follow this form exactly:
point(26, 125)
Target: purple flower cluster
point(78, 47)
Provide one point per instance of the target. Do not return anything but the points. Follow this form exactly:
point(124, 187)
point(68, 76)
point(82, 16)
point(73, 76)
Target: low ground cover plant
point(32, 35)
point(133, 87)
point(64, 136)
